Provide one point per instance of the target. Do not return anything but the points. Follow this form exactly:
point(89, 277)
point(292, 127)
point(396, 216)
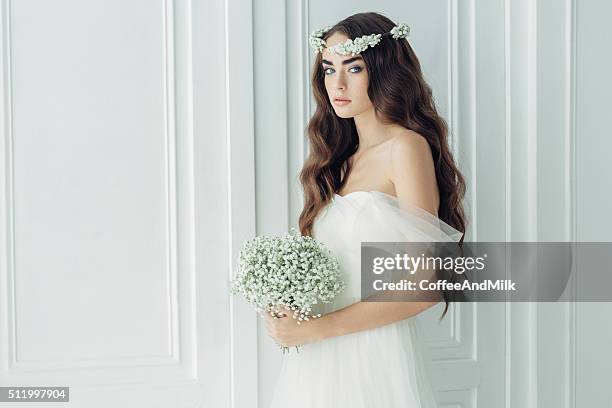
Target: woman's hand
point(286, 331)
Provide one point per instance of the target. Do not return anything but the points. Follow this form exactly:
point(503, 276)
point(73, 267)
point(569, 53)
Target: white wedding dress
point(379, 368)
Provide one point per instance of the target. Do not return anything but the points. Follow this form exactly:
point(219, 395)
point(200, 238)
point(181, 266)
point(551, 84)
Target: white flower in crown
point(315, 39)
point(355, 46)
point(400, 31)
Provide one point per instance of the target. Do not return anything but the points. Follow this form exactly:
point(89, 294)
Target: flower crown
point(357, 45)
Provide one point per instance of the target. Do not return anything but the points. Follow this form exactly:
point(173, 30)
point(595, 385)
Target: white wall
point(592, 150)
point(142, 142)
point(127, 179)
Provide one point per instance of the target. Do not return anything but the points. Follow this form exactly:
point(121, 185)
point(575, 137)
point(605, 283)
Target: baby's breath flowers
point(292, 270)
point(357, 45)
point(315, 39)
point(400, 31)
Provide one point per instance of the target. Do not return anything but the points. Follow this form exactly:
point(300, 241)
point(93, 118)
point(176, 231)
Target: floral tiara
point(357, 45)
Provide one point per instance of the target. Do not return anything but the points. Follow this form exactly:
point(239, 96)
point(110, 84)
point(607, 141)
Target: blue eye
point(354, 69)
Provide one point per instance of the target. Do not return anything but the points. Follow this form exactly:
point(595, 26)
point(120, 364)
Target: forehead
point(335, 38)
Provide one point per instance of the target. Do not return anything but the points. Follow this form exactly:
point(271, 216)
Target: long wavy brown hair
point(400, 95)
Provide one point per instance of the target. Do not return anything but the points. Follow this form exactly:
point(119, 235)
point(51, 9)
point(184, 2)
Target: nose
point(339, 81)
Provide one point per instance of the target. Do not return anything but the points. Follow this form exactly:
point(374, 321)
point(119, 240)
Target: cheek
point(326, 83)
point(361, 84)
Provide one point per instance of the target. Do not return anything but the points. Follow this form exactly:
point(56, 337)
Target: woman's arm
point(364, 316)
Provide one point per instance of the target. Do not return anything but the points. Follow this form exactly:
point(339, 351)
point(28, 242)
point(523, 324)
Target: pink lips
point(341, 101)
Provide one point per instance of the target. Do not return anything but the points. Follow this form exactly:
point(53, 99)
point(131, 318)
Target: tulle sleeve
point(382, 219)
point(389, 230)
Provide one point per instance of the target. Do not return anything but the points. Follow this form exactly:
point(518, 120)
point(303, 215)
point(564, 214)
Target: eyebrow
point(345, 62)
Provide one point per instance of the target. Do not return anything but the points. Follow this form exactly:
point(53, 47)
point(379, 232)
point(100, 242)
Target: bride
point(379, 169)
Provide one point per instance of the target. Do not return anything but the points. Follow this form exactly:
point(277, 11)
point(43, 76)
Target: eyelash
point(355, 66)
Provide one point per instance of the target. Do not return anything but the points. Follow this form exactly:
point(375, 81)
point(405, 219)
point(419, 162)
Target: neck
point(371, 130)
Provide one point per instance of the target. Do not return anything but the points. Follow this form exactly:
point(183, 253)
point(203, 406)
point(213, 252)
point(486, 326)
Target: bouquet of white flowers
point(294, 271)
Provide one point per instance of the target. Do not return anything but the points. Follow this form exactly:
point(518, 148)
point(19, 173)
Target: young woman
point(379, 170)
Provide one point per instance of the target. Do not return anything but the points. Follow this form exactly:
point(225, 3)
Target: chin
point(345, 115)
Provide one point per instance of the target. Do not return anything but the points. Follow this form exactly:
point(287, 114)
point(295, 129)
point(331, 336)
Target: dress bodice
point(372, 216)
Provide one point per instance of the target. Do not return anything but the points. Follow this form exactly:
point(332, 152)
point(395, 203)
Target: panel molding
point(241, 192)
point(7, 248)
point(572, 198)
point(299, 99)
point(178, 364)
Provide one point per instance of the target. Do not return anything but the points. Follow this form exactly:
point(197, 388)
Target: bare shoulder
point(409, 143)
point(409, 150)
point(412, 171)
